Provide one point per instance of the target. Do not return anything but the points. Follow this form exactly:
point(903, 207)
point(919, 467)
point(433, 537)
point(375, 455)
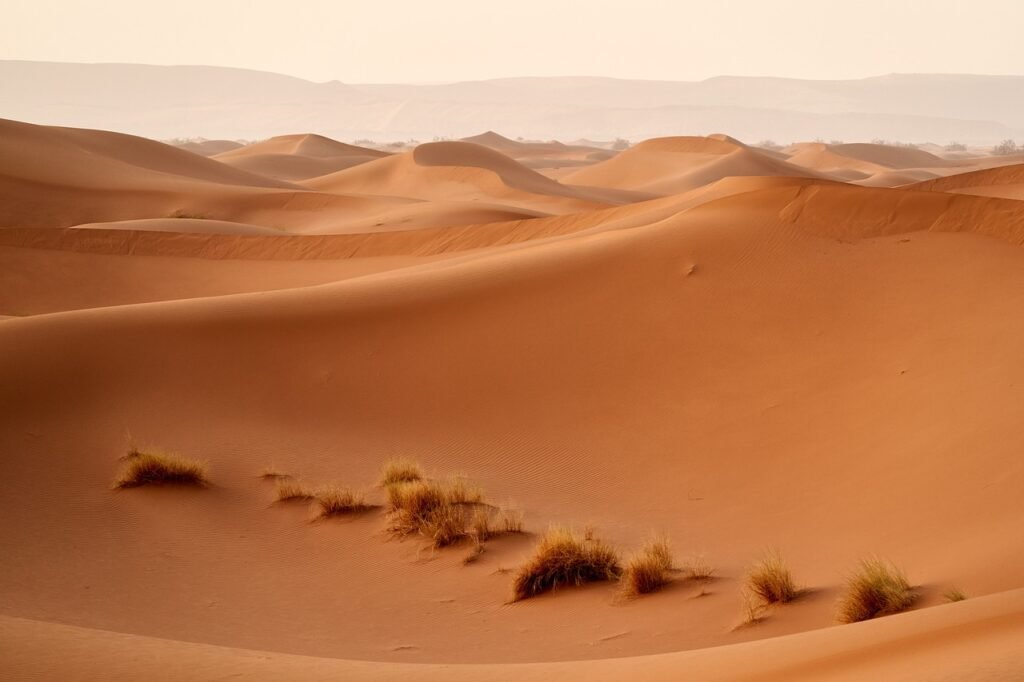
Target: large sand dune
point(692, 337)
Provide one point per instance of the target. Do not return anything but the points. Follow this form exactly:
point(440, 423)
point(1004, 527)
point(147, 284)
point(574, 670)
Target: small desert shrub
point(698, 568)
point(480, 524)
point(289, 490)
point(400, 470)
point(336, 501)
point(649, 570)
point(753, 607)
point(564, 558)
point(954, 594)
point(771, 581)
point(509, 521)
point(182, 214)
point(876, 589)
point(153, 468)
point(440, 511)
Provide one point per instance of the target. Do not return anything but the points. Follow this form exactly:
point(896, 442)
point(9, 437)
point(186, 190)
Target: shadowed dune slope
point(677, 164)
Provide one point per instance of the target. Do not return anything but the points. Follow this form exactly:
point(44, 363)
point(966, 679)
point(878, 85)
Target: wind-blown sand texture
point(738, 349)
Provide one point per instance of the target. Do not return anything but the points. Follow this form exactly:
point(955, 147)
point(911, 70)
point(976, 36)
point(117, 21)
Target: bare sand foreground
point(815, 350)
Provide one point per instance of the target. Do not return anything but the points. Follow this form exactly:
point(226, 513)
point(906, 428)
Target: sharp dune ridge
point(808, 352)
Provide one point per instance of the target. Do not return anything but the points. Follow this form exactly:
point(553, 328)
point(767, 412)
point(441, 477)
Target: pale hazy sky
point(374, 41)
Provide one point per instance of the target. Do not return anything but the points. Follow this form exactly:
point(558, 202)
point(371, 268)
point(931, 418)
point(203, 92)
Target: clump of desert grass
point(291, 490)
point(698, 568)
point(158, 468)
point(338, 501)
point(771, 581)
point(954, 594)
point(876, 588)
point(400, 470)
point(443, 512)
point(648, 570)
point(564, 558)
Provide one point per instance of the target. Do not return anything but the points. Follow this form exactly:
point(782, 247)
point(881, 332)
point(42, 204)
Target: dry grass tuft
point(290, 490)
point(400, 470)
point(337, 501)
point(272, 473)
point(771, 581)
point(649, 570)
point(876, 589)
point(698, 568)
point(954, 594)
point(442, 512)
point(753, 608)
point(564, 558)
point(154, 468)
point(509, 521)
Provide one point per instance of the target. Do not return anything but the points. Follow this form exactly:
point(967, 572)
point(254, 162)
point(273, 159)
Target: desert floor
point(815, 349)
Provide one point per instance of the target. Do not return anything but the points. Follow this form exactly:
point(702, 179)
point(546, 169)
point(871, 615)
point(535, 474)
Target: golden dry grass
point(290, 490)
point(954, 594)
point(440, 511)
point(698, 568)
point(157, 468)
point(648, 570)
point(400, 470)
point(564, 558)
point(876, 588)
point(337, 501)
point(771, 581)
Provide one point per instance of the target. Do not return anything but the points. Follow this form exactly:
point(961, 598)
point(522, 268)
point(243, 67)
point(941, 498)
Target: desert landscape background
point(757, 319)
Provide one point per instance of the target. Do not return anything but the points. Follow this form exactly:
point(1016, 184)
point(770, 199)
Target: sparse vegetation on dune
point(648, 570)
point(876, 589)
point(400, 470)
point(564, 558)
point(157, 468)
point(441, 511)
point(771, 581)
point(290, 490)
point(338, 501)
point(954, 594)
point(698, 568)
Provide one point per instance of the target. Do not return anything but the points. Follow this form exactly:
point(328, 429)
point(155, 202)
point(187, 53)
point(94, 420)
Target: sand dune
point(1002, 181)
point(693, 338)
point(208, 147)
point(678, 164)
point(463, 171)
point(298, 157)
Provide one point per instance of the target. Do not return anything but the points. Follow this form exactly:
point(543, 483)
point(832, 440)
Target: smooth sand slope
point(749, 360)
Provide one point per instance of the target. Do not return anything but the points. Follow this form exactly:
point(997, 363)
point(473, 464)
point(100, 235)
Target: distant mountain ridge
point(218, 102)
